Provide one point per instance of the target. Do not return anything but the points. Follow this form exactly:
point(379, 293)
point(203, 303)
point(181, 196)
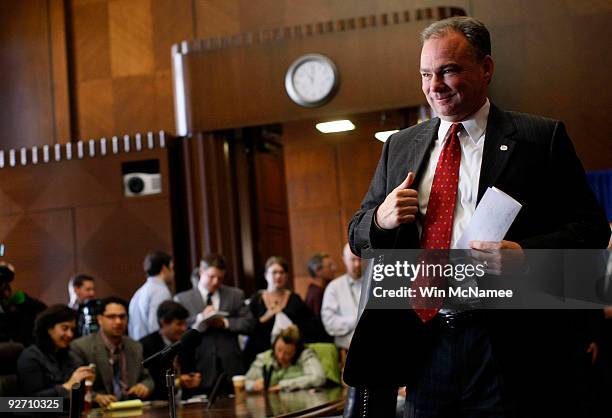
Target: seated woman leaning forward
point(292, 365)
point(44, 368)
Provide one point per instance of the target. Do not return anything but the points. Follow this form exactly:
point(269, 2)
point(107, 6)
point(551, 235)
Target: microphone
point(190, 339)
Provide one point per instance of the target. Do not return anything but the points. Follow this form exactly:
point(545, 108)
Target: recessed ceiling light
point(335, 126)
point(384, 135)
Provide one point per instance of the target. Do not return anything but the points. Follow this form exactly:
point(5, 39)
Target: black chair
point(9, 353)
point(77, 396)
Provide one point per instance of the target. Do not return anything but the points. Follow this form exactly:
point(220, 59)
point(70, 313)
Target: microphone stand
point(170, 379)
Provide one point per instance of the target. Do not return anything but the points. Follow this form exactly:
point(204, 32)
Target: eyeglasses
point(112, 317)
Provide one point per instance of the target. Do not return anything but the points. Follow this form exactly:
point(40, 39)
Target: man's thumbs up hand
point(400, 206)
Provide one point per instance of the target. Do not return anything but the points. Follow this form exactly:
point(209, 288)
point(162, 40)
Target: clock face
point(311, 80)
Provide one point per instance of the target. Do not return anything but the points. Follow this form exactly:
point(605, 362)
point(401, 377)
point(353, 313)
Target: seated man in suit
point(172, 318)
point(219, 312)
point(118, 359)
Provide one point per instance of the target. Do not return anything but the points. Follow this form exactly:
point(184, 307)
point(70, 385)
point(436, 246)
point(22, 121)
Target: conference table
point(302, 403)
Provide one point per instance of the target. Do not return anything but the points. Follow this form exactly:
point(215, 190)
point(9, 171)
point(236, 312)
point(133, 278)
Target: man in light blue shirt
point(159, 268)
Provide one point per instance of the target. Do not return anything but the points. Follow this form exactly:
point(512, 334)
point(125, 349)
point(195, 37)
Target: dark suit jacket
point(219, 350)
point(540, 169)
point(154, 343)
point(91, 349)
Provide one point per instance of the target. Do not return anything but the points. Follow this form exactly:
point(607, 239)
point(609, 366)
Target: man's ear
point(488, 67)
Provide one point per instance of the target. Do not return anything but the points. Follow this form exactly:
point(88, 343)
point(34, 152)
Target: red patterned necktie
point(438, 224)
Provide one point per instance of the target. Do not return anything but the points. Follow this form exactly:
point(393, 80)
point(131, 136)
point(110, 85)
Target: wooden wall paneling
point(113, 240)
point(91, 40)
point(272, 218)
point(134, 101)
point(26, 80)
point(59, 71)
point(172, 21)
point(211, 184)
point(41, 246)
point(95, 106)
point(258, 69)
point(131, 38)
point(216, 18)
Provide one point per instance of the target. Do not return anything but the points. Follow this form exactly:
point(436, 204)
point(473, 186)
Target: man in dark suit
point(118, 359)
point(172, 319)
point(220, 314)
point(428, 182)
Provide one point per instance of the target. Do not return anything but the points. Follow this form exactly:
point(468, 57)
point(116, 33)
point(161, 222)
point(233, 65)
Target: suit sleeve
point(582, 222)
point(32, 378)
point(241, 321)
point(363, 233)
point(144, 376)
point(77, 355)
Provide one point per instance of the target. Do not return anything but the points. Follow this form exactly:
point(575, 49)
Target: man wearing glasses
point(119, 372)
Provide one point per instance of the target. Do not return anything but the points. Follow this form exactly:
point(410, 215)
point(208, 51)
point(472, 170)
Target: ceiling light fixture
point(384, 135)
point(335, 126)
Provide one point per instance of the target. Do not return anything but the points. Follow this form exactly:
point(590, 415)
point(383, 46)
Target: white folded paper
point(491, 220)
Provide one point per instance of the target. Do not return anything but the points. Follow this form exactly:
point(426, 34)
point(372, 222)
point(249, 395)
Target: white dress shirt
point(471, 138)
point(216, 301)
point(143, 307)
point(340, 308)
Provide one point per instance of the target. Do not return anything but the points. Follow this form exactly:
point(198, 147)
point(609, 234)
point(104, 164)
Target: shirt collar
point(475, 126)
point(164, 339)
point(109, 344)
point(156, 279)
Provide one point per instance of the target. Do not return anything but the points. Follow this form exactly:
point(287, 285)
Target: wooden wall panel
point(41, 247)
point(137, 97)
point(131, 37)
point(59, 218)
point(121, 51)
point(95, 106)
point(114, 239)
point(26, 79)
point(327, 177)
point(91, 40)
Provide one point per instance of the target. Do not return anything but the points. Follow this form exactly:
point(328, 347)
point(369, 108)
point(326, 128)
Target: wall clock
point(312, 80)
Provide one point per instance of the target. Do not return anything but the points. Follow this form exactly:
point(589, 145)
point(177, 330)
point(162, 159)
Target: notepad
point(129, 404)
point(491, 220)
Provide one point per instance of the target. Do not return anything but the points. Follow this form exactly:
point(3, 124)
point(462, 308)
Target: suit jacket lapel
point(418, 149)
point(102, 363)
point(223, 302)
point(132, 367)
point(498, 147)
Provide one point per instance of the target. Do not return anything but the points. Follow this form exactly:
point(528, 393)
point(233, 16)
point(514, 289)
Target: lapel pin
point(504, 147)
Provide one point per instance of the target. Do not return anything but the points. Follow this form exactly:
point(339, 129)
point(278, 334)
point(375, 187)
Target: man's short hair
point(474, 30)
point(112, 299)
point(79, 279)
point(316, 263)
point(170, 310)
point(155, 261)
point(213, 260)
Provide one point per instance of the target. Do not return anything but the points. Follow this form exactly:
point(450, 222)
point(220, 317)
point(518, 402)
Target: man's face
point(454, 81)
point(327, 270)
point(211, 278)
point(86, 291)
point(113, 322)
point(168, 273)
point(352, 264)
point(284, 352)
point(174, 329)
